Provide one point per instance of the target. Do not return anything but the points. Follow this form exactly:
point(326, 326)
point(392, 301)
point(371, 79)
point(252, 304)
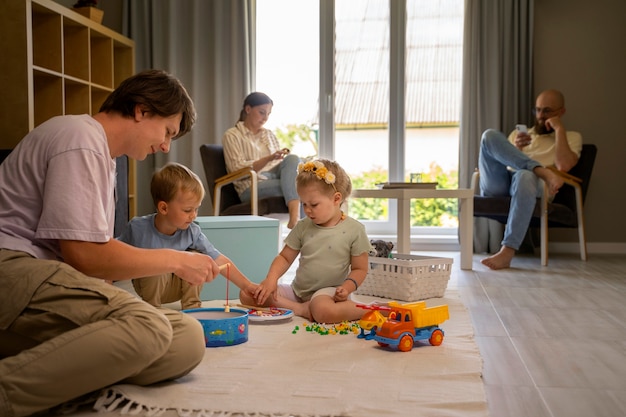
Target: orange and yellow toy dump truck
point(408, 323)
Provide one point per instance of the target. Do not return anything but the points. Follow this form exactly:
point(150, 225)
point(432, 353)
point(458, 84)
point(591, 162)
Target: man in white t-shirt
point(515, 166)
point(64, 330)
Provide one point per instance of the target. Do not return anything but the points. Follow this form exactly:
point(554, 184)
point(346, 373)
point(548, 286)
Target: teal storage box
point(251, 242)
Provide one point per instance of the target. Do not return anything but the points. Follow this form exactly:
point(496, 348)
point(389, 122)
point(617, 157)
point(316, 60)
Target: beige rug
point(281, 373)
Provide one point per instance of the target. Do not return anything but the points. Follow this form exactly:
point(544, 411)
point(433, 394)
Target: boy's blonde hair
point(173, 177)
point(330, 176)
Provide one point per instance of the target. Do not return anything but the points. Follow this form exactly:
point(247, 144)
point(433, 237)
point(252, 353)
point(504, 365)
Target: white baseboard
point(592, 247)
point(451, 243)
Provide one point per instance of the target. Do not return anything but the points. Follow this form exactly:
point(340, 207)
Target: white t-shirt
point(57, 184)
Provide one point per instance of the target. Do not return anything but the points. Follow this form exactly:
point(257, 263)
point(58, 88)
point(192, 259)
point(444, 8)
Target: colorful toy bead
point(345, 327)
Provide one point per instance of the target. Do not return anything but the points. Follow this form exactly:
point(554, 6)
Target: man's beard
point(542, 129)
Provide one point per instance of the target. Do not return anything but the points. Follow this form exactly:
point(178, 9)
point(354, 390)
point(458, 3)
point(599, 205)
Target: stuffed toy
point(380, 248)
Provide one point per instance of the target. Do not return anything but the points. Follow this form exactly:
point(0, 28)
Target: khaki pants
point(63, 335)
point(168, 288)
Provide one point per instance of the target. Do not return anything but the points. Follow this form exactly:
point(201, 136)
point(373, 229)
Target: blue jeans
point(496, 180)
point(281, 181)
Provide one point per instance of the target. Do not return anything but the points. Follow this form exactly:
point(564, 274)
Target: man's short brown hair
point(157, 92)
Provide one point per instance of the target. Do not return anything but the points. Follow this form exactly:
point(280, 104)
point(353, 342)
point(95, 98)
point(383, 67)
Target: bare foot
point(501, 259)
point(303, 310)
point(552, 180)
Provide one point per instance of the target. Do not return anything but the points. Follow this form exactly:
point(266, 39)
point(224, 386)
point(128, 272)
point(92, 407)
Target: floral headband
point(320, 171)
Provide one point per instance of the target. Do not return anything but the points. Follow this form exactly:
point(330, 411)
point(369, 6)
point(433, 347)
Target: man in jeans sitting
point(514, 167)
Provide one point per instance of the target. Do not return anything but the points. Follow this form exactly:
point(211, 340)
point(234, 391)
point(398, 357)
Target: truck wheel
point(381, 344)
point(436, 338)
point(406, 343)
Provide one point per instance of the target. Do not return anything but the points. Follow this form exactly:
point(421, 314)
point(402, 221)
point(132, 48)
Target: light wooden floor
point(553, 339)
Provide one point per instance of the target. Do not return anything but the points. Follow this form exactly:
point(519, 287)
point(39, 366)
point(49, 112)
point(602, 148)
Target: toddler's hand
point(264, 291)
point(341, 294)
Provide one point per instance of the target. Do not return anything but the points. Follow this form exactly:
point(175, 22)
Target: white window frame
point(444, 238)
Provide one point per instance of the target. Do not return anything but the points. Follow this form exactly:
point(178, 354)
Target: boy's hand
point(250, 289)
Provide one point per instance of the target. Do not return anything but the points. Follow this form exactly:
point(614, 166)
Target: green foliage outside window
point(424, 212)
point(297, 133)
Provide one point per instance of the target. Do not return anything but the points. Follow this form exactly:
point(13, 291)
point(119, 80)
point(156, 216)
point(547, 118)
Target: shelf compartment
point(76, 97)
point(48, 89)
point(47, 38)
point(98, 95)
point(76, 49)
point(101, 59)
point(123, 56)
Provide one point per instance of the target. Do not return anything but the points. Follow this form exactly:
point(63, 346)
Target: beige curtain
point(209, 46)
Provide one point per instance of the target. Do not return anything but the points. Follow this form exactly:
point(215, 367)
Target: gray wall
point(580, 49)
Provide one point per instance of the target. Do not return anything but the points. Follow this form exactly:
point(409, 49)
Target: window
point(386, 120)
point(287, 51)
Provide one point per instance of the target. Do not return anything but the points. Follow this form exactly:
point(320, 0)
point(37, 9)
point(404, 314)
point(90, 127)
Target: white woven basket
point(407, 277)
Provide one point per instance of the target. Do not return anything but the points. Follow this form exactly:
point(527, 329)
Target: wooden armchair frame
point(231, 178)
point(226, 201)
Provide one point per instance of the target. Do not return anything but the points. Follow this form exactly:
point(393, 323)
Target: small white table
point(404, 196)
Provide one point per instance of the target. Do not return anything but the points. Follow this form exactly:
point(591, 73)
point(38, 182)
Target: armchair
point(226, 201)
point(566, 210)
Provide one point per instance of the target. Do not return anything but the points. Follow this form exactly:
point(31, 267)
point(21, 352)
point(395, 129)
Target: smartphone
point(521, 128)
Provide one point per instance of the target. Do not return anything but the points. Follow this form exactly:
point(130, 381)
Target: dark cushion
point(497, 208)
point(559, 212)
point(266, 205)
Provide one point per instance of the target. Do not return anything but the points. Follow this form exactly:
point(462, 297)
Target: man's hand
point(197, 268)
point(554, 123)
point(522, 139)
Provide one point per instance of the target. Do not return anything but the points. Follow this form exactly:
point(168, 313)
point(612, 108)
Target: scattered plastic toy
point(345, 327)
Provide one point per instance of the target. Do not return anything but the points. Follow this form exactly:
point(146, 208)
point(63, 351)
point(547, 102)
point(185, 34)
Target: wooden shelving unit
point(54, 62)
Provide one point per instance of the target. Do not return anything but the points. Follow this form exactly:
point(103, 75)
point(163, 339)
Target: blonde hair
point(173, 177)
point(329, 175)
